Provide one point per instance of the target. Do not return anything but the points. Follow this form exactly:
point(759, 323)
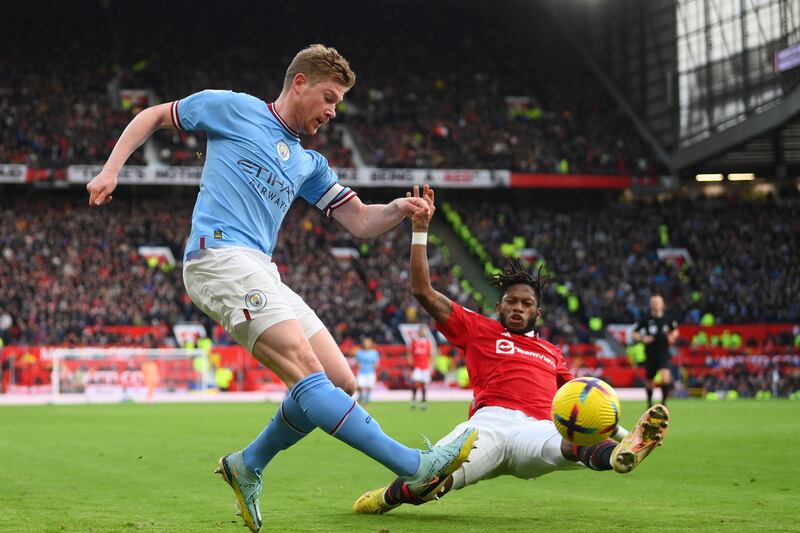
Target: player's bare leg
point(283, 349)
point(333, 361)
point(594, 456)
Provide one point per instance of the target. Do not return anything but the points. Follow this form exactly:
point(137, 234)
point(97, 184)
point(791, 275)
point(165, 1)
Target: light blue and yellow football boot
point(246, 485)
point(438, 462)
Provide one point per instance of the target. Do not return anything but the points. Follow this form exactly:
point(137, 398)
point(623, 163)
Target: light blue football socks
point(331, 409)
point(287, 427)
point(315, 402)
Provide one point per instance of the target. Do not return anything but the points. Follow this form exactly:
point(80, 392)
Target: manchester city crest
point(283, 151)
point(255, 300)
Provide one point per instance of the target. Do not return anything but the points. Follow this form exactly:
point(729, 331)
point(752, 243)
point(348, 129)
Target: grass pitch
point(124, 468)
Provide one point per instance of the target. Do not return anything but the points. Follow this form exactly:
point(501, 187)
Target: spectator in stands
point(607, 254)
point(52, 238)
point(62, 101)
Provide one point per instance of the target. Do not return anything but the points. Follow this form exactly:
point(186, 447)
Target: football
point(586, 411)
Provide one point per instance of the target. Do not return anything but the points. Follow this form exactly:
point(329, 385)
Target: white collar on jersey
point(532, 334)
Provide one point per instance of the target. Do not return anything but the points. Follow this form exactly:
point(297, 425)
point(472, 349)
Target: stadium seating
point(608, 254)
point(69, 272)
point(519, 105)
point(70, 281)
point(418, 113)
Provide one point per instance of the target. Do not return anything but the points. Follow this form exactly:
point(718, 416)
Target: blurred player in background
point(255, 168)
point(515, 375)
point(658, 333)
point(151, 377)
point(420, 354)
point(367, 358)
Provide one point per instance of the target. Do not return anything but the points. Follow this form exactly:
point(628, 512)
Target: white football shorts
point(366, 381)
point(509, 443)
point(421, 375)
point(241, 289)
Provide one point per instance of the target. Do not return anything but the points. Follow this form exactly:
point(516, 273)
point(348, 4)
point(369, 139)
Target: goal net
point(119, 374)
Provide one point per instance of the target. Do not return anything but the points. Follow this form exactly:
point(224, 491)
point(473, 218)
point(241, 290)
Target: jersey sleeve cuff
point(335, 197)
point(173, 112)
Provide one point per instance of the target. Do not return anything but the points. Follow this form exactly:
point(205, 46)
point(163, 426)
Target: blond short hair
point(319, 62)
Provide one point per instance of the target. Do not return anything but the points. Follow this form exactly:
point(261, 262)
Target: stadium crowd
point(64, 274)
point(67, 272)
point(426, 107)
point(778, 381)
point(364, 291)
point(742, 264)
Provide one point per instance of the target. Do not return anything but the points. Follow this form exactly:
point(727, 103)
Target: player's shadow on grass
point(409, 520)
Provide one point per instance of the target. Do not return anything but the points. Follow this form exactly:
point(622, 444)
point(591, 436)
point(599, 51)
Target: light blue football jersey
point(367, 359)
point(255, 168)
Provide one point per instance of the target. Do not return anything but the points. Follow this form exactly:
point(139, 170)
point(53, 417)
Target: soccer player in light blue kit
point(367, 358)
point(255, 168)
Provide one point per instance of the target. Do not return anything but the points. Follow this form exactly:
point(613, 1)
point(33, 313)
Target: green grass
point(724, 466)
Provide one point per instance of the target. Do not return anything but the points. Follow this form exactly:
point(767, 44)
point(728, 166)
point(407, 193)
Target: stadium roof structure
point(712, 85)
point(764, 142)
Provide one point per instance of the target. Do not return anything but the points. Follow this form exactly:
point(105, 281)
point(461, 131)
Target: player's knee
point(567, 451)
point(308, 360)
point(348, 385)
point(295, 353)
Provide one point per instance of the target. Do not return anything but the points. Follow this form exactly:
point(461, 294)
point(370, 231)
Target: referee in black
point(657, 332)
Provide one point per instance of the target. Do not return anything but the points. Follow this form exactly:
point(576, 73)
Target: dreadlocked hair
point(514, 273)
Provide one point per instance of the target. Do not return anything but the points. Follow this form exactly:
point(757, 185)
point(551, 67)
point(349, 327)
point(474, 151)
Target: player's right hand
point(420, 220)
point(101, 187)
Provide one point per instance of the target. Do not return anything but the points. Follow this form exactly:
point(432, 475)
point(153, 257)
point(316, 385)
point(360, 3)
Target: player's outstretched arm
point(136, 133)
point(367, 221)
point(434, 302)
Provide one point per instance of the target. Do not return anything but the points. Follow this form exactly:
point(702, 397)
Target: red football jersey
point(421, 353)
point(506, 369)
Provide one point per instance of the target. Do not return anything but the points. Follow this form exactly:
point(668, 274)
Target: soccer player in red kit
point(514, 375)
point(419, 356)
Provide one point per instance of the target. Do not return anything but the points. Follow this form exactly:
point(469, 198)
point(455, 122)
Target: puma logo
point(434, 481)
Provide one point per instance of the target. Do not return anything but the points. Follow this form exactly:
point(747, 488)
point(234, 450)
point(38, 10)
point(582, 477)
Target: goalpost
point(120, 374)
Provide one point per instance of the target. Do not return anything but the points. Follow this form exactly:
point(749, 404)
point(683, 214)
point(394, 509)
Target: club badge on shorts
point(255, 300)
